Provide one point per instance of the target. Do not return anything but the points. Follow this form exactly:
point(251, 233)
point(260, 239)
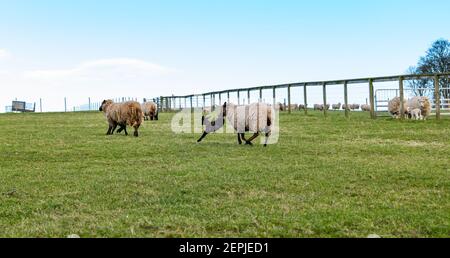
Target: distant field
point(328, 177)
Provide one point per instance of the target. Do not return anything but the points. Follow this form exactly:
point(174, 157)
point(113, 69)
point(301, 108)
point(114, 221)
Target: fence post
point(437, 97)
point(289, 98)
point(90, 104)
point(324, 99)
point(239, 98)
point(40, 104)
point(274, 92)
point(347, 113)
point(372, 99)
point(402, 97)
point(220, 99)
point(228, 96)
point(305, 96)
point(65, 104)
point(260, 94)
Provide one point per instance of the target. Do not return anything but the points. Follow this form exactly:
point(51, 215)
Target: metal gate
point(383, 96)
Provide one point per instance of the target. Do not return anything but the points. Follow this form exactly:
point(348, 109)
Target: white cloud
point(4, 53)
point(116, 68)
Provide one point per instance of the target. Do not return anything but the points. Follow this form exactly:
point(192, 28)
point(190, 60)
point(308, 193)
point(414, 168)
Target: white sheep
point(256, 118)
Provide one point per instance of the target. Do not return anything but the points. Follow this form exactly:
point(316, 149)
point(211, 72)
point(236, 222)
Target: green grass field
point(328, 177)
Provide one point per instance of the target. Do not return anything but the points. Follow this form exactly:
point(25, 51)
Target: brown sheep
point(122, 114)
point(150, 110)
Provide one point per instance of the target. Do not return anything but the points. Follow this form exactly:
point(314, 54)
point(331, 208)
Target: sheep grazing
point(422, 103)
point(122, 114)
point(336, 106)
point(255, 118)
point(354, 106)
point(301, 107)
point(320, 107)
point(346, 107)
point(394, 107)
point(365, 108)
point(294, 107)
point(150, 110)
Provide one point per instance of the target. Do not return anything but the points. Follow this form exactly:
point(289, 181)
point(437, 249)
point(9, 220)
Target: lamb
point(150, 110)
point(122, 114)
point(416, 114)
point(365, 108)
point(336, 106)
point(422, 103)
point(394, 107)
point(256, 118)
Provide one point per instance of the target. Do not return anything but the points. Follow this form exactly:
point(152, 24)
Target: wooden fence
point(168, 102)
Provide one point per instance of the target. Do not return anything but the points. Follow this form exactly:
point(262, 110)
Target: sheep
point(422, 103)
point(394, 107)
point(354, 106)
point(365, 108)
point(346, 107)
point(122, 114)
point(150, 110)
point(320, 107)
point(281, 107)
point(301, 107)
point(336, 106)
point(294, 107)
point(255, 118)
point(416, 114)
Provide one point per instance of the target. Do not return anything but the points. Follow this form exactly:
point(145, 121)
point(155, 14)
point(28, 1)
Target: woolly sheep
point(365, 107)
point(344, 107)
point(150, 110)
point(422, 103)
point(354, 106)
point(336, 106)
point(255, 118)
point(122, 114)
point(394, 107)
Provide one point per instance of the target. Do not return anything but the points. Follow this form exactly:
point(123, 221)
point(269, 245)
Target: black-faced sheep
point(255, 118)
point(394, 107)
point(122, 114)
point(150, 110)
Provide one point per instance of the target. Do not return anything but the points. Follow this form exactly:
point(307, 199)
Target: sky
point(51, 49)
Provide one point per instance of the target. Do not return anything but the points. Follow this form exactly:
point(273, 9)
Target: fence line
point(167, 103)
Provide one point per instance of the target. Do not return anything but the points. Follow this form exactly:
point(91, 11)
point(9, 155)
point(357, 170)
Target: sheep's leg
point(114, 128)
point(203, 136)
point(125, 130)
point(249, 141)
point(109, 130)
point(136, 133)
point(267, 139)
point(239, 138)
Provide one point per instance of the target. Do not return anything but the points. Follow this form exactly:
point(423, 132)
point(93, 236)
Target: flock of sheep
point(255, 118)
point(321, 107)
point(417, 108)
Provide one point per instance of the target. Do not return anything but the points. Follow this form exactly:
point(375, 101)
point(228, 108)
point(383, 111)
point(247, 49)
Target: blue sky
point(101, 49)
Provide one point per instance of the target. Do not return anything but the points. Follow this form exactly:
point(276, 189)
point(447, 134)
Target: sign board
point(18, 106)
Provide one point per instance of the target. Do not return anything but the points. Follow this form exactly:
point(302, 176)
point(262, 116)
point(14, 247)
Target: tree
point(436, 60)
